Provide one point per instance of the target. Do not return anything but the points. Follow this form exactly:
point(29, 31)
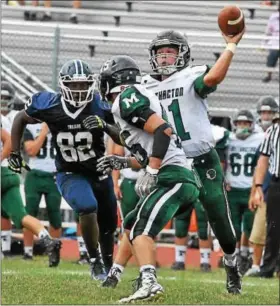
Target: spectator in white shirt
point(273, 43)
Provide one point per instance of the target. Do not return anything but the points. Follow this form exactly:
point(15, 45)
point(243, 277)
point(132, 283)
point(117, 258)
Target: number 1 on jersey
point(175, 109)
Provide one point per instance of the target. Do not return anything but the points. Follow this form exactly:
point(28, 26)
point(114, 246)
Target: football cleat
point(84, 259)
point(53, 247)
point(245, 264)
point(150, 289)
point(234, 283)
point(27, 256)
point(178, 266)
point(205, 267)
point(97, 269)
point(112, 278)
point(136, 283)
point(254, 271)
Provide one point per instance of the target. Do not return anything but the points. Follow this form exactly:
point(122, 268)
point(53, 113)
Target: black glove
point(112, 162)
point(94, 122)
point(146, 182)
point(16, 162)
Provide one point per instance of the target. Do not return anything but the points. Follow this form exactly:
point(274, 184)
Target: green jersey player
point(167, 186)
point(242, 158)
point(182, 90)
point(40, 181)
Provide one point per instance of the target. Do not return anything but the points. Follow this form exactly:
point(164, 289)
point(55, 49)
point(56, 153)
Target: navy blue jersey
point(77, 148)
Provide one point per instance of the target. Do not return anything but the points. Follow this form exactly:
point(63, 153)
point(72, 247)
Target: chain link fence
point(43, 54)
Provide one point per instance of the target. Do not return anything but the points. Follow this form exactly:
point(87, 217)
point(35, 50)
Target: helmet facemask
point(77, 90)
point(265, 117)
point(181, 59)
point(104, 90)
point(243, 131)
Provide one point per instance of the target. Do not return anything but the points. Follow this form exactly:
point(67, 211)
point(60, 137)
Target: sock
point(216, 245)
point(43, 234)
point(81, 245)
point(205, 256)
point(244, 250)
point(146, 270)
point(73, 15)
point(106, 242)
point(237, 251)
point(180, 253)
point(230, 259)
point(251, 251)
point(90, 232)
point(28, 250)
point(6, 239)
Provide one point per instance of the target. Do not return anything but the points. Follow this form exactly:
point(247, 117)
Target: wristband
point(152, 171)
point(258, 185)
point(231, 47)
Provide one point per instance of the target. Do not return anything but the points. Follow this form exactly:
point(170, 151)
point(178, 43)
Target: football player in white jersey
point(167, 185)
point(6, 225)
point(7, 115)
point(241, 161)
point(12, 205)
point(182, 90)
point(40, 181)
point(220, 135)
point(8, 98)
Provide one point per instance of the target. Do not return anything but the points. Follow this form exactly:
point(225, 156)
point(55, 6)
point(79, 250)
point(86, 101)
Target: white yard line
point(166, 278)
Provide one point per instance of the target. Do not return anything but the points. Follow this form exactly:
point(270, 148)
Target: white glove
point(146, 182)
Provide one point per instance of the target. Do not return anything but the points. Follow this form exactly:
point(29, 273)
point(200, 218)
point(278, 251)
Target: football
point(231, 20)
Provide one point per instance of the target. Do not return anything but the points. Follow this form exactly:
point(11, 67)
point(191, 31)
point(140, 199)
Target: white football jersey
point(186, 111)
point(44, 160)
point(241, 160)
point(219, 132)
point(139, 142)
point(11, 115)
point(6, 125)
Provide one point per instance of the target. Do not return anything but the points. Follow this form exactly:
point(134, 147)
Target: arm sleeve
point(201, 88)
point(135, 107)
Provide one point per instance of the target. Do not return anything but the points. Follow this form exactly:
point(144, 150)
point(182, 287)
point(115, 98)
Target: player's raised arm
point(218, 72)
point(232, 31)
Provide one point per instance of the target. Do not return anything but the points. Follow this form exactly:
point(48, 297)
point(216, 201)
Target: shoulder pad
point(150, 79)
point(44, 100)
point(41, 101)
point(131, 99)
point(199, 69)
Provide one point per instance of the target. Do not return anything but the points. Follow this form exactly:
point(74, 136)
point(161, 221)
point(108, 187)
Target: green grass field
point(32, 282)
